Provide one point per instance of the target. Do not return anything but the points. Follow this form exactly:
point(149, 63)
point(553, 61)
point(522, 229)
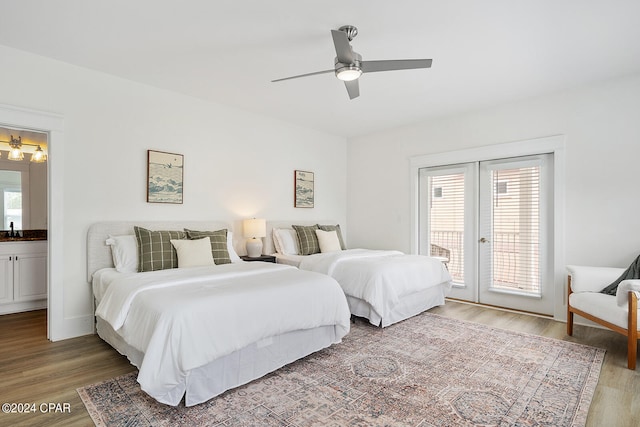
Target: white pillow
point(233, 255)
point(276, 242)
point(124, 251)
point(193, 253)
point(287, 241)
point(328, 241)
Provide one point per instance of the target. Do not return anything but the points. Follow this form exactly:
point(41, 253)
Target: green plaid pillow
point(335, 228)
point(218, 243)
point(307, 239)
point(155, 251)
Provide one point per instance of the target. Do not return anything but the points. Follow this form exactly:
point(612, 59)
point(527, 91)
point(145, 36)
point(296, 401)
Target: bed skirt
point(235, 369)
point(408, 306)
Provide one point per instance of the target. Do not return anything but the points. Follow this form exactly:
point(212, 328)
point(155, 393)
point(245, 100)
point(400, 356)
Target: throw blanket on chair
point(633, 272)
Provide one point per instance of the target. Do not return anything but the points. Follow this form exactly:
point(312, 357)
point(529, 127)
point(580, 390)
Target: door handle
point(483, 240)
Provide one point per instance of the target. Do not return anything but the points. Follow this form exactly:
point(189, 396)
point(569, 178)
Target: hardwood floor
point(35, 370)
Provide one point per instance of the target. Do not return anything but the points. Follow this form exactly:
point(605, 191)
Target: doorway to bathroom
point(48, 260)
point(23, 232)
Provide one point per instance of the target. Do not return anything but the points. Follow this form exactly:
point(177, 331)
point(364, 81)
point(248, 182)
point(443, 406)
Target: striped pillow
point(155, 251)
point(307, 239)
point(335, 228)
point(218, 243)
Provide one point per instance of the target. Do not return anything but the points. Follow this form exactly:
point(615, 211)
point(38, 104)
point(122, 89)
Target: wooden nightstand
point(263, 258)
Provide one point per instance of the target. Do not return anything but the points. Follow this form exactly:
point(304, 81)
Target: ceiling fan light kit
point(349, 66)
point(348, 73)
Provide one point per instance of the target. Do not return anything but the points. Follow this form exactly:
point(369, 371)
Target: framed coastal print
point(164, 177)
point(303, 197)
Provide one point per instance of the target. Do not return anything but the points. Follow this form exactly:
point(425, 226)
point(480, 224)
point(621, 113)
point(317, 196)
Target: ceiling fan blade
point(353, 88)
point(343, 48)
point(304, 75)
point(395, 64)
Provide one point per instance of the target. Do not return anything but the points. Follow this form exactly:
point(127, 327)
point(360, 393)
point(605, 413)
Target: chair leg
point(632, 351)
point(632, 331)
point(570, 323)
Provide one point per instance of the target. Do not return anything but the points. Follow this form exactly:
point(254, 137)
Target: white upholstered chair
point(618, 313)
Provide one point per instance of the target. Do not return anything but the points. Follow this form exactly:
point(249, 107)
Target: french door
point(491, 223)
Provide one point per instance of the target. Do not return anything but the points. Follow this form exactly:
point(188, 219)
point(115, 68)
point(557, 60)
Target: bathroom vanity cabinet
point(23, 275)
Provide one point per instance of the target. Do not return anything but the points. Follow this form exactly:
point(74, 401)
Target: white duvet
point(381, 278)
point(182, 319)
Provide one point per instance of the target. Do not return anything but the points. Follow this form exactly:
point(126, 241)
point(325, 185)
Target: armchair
point(618, 313)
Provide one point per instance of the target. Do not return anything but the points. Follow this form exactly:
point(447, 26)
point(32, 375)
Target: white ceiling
point(485, 52)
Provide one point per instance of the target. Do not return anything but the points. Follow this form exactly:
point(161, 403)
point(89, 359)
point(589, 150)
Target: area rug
point(426, 371)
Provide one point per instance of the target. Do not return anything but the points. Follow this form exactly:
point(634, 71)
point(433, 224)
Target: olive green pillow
point(218, 243)
point(307, 239)
point(155, 251)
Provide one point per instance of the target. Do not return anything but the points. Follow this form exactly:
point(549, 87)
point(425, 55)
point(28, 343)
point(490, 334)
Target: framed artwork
point(164, 177)
point(303, 187)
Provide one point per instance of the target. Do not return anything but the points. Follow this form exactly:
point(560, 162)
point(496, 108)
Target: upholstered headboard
point(99, 254)
point(269, 248)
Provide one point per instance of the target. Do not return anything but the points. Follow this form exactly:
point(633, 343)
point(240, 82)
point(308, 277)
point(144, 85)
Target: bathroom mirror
point(23, 183)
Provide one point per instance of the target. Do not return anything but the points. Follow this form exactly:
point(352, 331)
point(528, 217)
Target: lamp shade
point(255, 227)
point(38, 156)
point(15, 154)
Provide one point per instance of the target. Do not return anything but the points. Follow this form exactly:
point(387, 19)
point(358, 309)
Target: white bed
point(196, 332)
point(384, 287)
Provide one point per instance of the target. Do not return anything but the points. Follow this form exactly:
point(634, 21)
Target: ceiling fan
point(349, 65)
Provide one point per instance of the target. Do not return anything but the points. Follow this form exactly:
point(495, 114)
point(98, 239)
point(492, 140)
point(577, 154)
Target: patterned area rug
point(425, 371)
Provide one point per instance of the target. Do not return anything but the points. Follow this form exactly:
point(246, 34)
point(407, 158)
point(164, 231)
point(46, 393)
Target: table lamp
point(254, 229)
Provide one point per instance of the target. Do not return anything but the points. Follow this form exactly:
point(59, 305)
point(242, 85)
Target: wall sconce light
point(38, 156)
point(16, 153)
point(254, 229)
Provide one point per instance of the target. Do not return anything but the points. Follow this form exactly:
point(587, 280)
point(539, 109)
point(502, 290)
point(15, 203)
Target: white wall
point(237, 164)
point(601, 124)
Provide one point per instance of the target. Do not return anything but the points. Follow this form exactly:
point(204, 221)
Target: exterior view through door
point(491, 222)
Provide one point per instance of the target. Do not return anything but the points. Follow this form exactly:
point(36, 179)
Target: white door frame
point(552, 144)
point(53, 125)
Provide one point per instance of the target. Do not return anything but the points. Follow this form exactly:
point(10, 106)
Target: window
point(13, 209)
point(11, 185)
point(446, 216)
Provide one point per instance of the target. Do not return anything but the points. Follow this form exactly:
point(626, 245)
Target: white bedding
point(381, 278)
point(293, 260)
point(182, 319)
